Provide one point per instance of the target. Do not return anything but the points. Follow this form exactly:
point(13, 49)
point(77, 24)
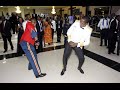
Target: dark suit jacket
point(112, 28)
point(113, 25)
point(118, 33)
point(40, 34)
point(65, 29)
point(61, 22)
point(6, 31)
point(34, 16)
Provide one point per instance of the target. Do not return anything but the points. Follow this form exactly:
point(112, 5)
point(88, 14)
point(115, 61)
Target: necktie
point(103, 22)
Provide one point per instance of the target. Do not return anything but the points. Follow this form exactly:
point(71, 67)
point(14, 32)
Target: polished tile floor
point(15, 70)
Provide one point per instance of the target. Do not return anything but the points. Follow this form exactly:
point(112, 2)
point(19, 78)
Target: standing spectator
point(13, 20)
point(118, 35)
point(59, 24)
point(104, 26)
point(65, 29)
point(112, 35)
point(20, 33)
point(6, 33)
point(40, 33)
point(47, 34)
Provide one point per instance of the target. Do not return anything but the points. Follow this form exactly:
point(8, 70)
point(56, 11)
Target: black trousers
point(104, 36)
point(65, 41)
point(112, 43)
point(118, 45)
point(5, 38)
point(59, 31)
point(13, 28)
point(52, 33)
point(67, 53)
point(40, 38)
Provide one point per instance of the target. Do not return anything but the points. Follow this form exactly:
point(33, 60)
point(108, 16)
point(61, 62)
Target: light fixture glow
point(1, 6)
point(53, 10)
point(18, 9)
point(28, 7)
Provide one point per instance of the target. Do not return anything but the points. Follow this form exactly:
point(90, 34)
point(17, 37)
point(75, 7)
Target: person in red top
point(27, 42)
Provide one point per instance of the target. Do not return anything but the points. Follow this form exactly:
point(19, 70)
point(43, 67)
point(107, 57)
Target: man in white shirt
point(27, 18)
point(53, 27)
point(71, 20)
point(78, 36)
point(104, 27)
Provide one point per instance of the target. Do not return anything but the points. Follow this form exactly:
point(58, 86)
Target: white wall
point(4, 10)
point(28, 11)
point(115, 9)
point(44, 11)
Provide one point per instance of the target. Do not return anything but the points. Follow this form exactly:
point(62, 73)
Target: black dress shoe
point(63, 71)
point(81, 70)
point(29, 68)
point(5, 51)
point(41, 75)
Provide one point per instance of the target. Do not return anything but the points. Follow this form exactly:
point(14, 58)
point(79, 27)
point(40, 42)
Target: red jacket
point(27, 34)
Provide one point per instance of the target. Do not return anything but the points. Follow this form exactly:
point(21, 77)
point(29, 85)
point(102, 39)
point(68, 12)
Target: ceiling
point(35, 7)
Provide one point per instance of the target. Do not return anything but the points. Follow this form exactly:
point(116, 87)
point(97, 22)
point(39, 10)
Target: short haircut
point(27, 15)
point(86, 19)
point(33, 20)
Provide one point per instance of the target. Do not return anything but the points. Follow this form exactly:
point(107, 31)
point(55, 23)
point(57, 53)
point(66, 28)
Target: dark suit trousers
point(13, 28)
point(118, 45)
point(59, 31)
point(5, 38)
point(112, 43)
point(103, 36)
point(52, 34)
point(67, 53)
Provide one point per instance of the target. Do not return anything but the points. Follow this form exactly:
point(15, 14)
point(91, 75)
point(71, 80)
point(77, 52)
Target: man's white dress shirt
point(79, 35)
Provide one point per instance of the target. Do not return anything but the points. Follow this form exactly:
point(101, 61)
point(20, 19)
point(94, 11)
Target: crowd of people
point(35, 31)
point(46, 28)
point(110, 32)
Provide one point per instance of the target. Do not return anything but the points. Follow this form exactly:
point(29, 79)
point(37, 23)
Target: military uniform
point(27, 43)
